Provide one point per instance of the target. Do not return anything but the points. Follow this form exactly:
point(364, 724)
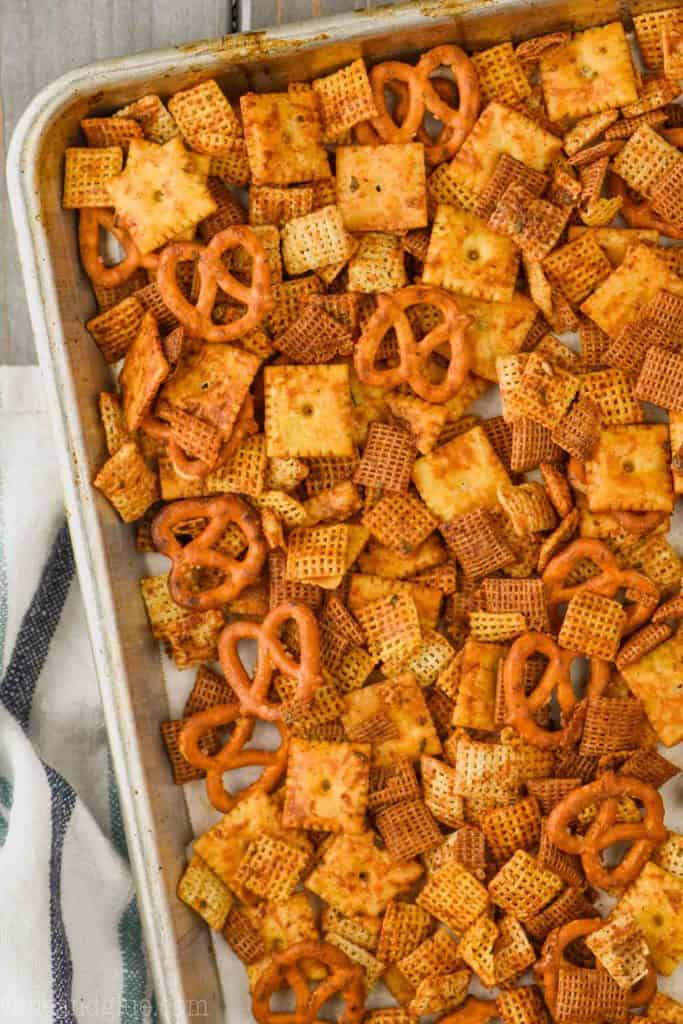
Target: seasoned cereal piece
point(467, 257)
point(408, 829)
point(356, 876)
point(578, 267)
point(284, 138)
point(364, 588)
point(644, 160)
point(270, 868)
point(382, 195)
point(151, 114)
point(315, 240)
point(205, 118)
point(161, 193)
point(144, 370)
point(593, 626)
point(308, 411)
point(591, 73)
point(445, 992)
point(522, 887)
point(87, 175)
point(345, 98)
point(205, 893)
point(128, 483)
point(460, 476)
point(476, 697)
point(501, 129)
point(392, 628)
point(662, 1008)
point(400, 521)
point(454, 896)
point(630, 470)
point(401, 702)
point(654, 901)
point(192, 639)
point(378, 265)
point(326, 786)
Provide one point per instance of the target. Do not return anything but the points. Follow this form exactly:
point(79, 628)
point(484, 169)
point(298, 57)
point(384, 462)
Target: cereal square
point(308, 411)
point(382, 188)
point(460, 476)
point(591, 73)
point(326, 786)
point(284, 138)
point(467, 257)
point(631, 470)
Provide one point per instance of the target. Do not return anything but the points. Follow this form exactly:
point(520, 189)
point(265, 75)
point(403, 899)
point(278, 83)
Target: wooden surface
point(40, 40)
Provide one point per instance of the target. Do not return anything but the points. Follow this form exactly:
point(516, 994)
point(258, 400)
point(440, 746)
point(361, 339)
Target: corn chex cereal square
point(382, 195)
point(434, 956)
point(161, 193)
point(522, 887)
point(631, 470)
point(591, 73)
point(400, 702)
point(270, 868)
point(454, 896)
point(308, 411)
point(592, 625)
point(400, 521)
point(205, 117)
point(326, 786)
point(345, 98)
point(129, 484)
point(392, 627)
point(284, 138)
point(355, 875)
point(315, 240)
point(499, 130)
point(205, 893)
point(460, 476)
point(466, 256)
point(87, 174)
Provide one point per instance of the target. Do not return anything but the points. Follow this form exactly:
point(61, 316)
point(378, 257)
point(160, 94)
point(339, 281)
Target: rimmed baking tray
point(60, 300)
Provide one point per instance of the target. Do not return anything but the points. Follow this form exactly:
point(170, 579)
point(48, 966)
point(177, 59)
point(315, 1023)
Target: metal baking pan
point(60, 299)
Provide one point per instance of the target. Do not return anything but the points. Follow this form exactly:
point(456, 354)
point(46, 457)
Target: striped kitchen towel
point(70, 940)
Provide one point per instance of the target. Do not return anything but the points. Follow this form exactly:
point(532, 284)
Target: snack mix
point(466, 628)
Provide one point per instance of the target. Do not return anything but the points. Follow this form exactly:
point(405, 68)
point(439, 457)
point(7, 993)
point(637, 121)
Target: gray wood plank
point(39, 40)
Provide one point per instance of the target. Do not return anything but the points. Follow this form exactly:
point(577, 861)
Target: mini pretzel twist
point(410, 107)
point(196, 319)
point(603, 832)
point(232, 755)
point(611, 579)
point(200, 552)
point(557, 676)
point(413, 354)
point(457, 124)
point(89, 223)
point(253, 694)
point(640, 214)
point(344, 978)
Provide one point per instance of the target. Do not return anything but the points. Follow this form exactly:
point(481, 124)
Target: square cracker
point(326, 786)
point(284, 138)
point(631, 470)
point(657, 680)
point(460, 476)
point(224, 845)
point(591, 73)
point(356, 876)
point(497, 329)
point(382, 189)
point(212, 383)
point(162, 192)
point(467, 257)
point(402, 702)
point(655, 900)
point(637, 280)
point(364, 588)
point(308, 411)
point(502, 130)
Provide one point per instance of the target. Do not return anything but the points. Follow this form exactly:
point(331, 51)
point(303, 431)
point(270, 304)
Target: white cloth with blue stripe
point(70, 941)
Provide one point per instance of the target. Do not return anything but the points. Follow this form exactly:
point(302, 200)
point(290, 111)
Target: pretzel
point(640, 214)
point(640, 522)
point(252, 694)
point(89, 223)
point(184, 465)
point(410, 105)
point(232, 755)
point(200, 551)
point(603, 831)
point(344, 978)
point(611, 579)
point(472, 1011)
point(557, 675)
point(413, 355)
point(196, 319)
point(457, 124)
